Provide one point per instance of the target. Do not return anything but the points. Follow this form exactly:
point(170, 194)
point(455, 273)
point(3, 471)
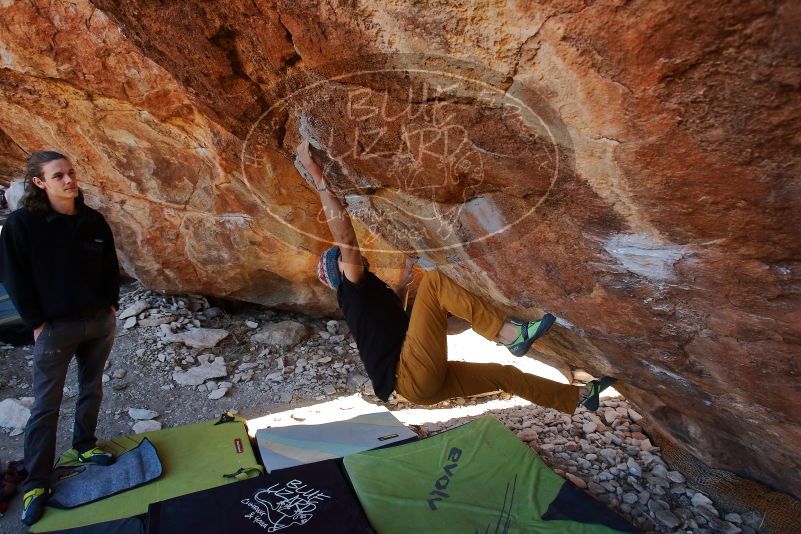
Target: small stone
point(105, 378)
point(282, 334)
point(199, 338)
point(328, 389)
point(732, 517)
point(332, 327)
point(119, 386)
point(659, 470)
point(130, 322)
point(142, 414)
point(654, 505)
point(633, 467)
point(16, 432)
point(119, 373)
point(667, 518)
point(140, 353)
point(634, 416)
point(14, 414)
point(609, 455)
point(150, 322)
point(134, 309)
point(676, 477)
point(589, 427)
point(251, 324)
point(527, 435)
point(610, 416)
point(218, 393)
point(199, 374)
point(630, 498)
point(699, 499)
point(141, 427)
point(357, 380)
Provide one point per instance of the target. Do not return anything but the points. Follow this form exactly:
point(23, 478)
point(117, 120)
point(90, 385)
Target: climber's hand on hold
point(311, 166)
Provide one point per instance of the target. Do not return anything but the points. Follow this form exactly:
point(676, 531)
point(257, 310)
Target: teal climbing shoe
point(528, 333)
point(592, 400)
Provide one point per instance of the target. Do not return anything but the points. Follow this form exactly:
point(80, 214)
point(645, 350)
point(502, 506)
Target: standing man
point(410, 354)
point(59, 265)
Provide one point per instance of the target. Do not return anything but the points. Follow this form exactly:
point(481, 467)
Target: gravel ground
point(271, 361)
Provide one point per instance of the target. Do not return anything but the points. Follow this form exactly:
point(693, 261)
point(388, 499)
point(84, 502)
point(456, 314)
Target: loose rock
point(282, 334)
point(140, 427)
point(205, 371)
point(14, 414)
point(134, 309)
point(199, 338)
point(142, 414)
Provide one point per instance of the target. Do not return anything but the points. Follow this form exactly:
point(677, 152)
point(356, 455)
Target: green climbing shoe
point(528, 333)
point(592, 400)
point(96, 456)
point(33, 505)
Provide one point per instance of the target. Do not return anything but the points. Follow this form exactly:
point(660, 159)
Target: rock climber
point(59, 265)
point(409, 354)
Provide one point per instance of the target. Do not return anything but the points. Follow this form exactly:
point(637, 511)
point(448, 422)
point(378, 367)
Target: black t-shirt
point(378, 322)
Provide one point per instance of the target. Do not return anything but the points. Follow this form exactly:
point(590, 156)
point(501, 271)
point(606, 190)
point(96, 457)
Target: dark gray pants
point(88, 336)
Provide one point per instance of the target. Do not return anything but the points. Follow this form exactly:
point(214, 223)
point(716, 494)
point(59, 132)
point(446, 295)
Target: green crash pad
point(476, 478)
point(194, 457)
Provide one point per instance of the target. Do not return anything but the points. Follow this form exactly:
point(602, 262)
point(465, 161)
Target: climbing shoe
point(592, 400)
point(96, 456)
point(33, 505)
point(528, 333)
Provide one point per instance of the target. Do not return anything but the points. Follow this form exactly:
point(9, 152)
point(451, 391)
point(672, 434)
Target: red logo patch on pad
point(238, 446)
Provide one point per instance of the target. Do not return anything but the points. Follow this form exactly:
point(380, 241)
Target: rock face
point(630, 168)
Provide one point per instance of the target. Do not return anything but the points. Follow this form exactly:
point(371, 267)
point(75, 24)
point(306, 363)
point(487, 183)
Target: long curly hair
point(35, 198)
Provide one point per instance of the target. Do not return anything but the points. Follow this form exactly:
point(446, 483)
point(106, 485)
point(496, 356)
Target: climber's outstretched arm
point(337, 218)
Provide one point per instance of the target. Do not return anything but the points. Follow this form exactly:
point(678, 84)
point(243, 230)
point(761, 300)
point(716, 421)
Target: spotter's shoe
point(528, 333)
point(592, 400)
point(33, 505)
point(96, 456)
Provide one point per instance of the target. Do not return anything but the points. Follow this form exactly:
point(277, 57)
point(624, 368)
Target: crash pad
point(311, 498)
point(287, 446)
point(475, 478)
point(194, 457)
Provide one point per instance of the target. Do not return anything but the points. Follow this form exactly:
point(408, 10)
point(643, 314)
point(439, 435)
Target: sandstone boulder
point(627, 166)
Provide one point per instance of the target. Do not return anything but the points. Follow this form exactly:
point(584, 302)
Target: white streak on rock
point(642, 255)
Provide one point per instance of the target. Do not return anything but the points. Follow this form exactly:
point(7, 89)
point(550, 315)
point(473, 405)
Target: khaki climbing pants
point(424, 374)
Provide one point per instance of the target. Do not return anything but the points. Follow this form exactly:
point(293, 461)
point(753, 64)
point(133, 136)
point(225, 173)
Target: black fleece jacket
point(55, 265)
